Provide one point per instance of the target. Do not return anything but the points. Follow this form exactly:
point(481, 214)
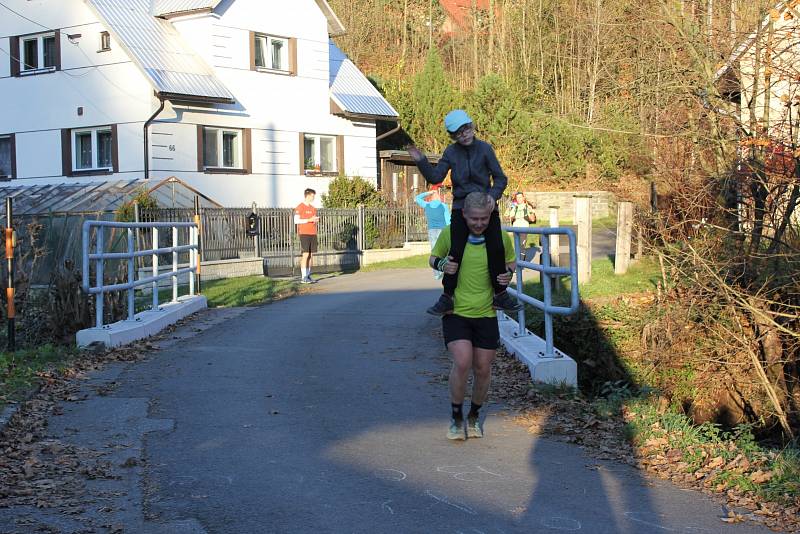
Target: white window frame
point(266, 41)
point(10, 159)
point(23, 59)
point(220, 147)
point(318, 154)
point(95, 149)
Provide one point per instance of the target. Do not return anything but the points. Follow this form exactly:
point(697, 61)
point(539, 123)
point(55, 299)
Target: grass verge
point(420, 261)
point(231, 292)
point(712, 457)
point(20, 370)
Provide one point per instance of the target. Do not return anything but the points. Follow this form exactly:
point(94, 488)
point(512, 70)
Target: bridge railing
point(99, 257)
point(548, 275)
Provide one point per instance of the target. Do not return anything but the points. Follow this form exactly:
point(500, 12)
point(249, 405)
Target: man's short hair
point(478, 200)
point(309, 191)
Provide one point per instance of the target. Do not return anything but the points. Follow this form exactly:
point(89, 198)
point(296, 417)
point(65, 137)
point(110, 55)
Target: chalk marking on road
point(183, 480)
point(385, 506)
point(647, 521)
point(466, 470)
point(445, 500)
point(561, 523)
point(392, 474)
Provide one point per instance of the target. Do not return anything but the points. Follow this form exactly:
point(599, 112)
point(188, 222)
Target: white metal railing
point(100, 256)
point(547, 273)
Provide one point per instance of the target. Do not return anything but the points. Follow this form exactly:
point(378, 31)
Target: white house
point(761, 76)
point(245, 100)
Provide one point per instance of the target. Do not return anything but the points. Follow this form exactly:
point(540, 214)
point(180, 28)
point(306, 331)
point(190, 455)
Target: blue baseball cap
point(456, 119)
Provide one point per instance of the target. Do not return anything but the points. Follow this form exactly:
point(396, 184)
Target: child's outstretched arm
point(433, 175)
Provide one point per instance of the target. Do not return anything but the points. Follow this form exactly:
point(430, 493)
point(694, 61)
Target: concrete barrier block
point(144, 324)
point(530, 350)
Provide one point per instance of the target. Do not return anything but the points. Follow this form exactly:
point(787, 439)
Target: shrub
point(349, 192)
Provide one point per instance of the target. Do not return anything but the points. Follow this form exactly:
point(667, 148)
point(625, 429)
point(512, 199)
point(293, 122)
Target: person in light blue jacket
point(437, 213)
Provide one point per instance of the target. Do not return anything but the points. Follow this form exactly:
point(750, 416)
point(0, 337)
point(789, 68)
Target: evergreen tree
point(432, 98)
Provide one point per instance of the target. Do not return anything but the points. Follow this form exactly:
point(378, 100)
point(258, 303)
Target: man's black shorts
point(483, 332)
point(308, 243)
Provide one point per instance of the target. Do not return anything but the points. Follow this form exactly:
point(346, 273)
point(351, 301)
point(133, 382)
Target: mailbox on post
point(252, 224)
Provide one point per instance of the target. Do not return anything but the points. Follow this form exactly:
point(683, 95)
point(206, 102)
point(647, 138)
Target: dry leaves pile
point(44, 471)
point(574, 420)
point(37, 469)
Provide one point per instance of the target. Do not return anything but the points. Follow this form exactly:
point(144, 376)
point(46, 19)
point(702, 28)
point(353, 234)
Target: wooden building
point(399, 178)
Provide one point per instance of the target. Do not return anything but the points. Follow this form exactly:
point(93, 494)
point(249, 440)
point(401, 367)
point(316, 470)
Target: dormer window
point(105, 42)
point(270, 53)
point(35, 54)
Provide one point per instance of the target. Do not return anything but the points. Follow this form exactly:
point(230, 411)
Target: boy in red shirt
point(305, 217)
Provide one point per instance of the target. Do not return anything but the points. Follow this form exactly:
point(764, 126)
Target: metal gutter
point(146, 137)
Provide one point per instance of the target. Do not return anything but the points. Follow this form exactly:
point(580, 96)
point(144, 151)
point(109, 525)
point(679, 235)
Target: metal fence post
point(99, 277)
point(155, 269)
point(192, 258)
point(174, 264)
point(521, 313)
point(10, 290)
point(199, 256)
point(131, 275)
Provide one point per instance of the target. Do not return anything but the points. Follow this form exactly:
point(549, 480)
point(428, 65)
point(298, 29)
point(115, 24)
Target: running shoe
point(504, 301)
point(305, 281)
point(311, 280)
point(443, 306)
point(474, 428)
point(456, 430)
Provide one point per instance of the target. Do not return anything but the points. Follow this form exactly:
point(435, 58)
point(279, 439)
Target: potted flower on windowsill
point(311, 168)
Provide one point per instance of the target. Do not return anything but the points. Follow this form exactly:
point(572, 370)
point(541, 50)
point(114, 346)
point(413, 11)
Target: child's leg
point(495, 252)
point(458, 240)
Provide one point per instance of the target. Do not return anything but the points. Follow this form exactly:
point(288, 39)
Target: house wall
point(111, 90)
point(107, 85)
point(769, 109)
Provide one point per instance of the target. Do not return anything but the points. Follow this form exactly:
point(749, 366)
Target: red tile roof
point(458, 10)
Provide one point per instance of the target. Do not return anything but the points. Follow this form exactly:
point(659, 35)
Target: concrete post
point(555, 247)
point(583, 218)
point(622, 255)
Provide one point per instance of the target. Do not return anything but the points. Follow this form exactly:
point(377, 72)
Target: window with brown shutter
point(8, 157)
point(293, 56)
point(270, 53)
point(38, 53)
point(321, 155)
point(14, 55)
point(90, 151)
point(223, 150)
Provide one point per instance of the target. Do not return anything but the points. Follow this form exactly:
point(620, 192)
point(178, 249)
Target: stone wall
point(604, 204)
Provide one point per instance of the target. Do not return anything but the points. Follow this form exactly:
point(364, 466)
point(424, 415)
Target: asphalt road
point(327, 413)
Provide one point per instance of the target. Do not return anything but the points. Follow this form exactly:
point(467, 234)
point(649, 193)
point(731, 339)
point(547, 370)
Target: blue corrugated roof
point(352, 91)
point(155, 45)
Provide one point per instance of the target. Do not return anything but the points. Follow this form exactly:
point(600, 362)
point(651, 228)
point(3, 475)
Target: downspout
point(146, 138)
point(384, 135)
